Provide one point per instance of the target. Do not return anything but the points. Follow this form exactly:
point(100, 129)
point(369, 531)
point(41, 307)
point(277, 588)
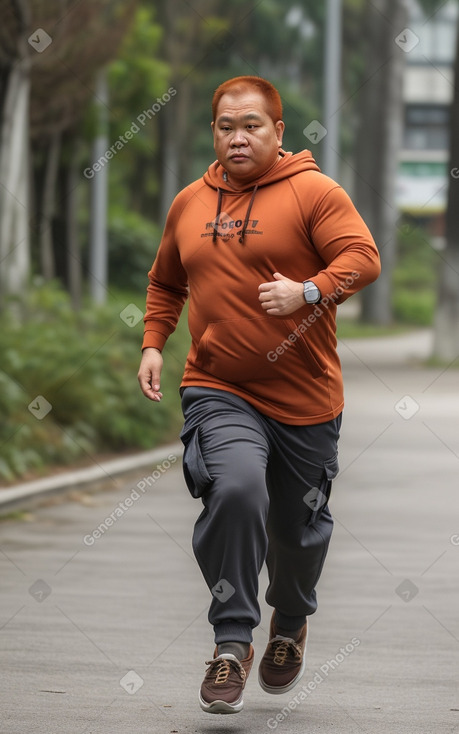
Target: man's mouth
point(239, 157)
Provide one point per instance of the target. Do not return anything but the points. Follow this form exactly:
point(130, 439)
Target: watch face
point(311, 294)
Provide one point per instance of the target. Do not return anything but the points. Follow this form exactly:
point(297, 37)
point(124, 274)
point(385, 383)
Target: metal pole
point(98, 248)
point(332, 85)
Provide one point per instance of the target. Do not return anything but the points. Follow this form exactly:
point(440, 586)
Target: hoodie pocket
point(244, 350)
point(196, 475)
point(317, 497)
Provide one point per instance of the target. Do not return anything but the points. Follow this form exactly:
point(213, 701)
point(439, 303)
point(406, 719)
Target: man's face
point(246, 140)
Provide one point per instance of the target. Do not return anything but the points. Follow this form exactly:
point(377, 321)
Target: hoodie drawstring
point(247, 216)
point(217, 216)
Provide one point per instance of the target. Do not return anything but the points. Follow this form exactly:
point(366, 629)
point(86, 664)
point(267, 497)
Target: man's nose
point(238, 139)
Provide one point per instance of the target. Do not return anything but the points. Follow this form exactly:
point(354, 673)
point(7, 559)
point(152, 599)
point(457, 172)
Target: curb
point(28, 494)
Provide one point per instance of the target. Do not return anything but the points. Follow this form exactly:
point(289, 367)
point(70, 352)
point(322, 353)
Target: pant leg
point(226, 453)
point(303, 462)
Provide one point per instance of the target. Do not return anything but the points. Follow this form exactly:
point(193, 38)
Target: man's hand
point(281, 297)
point(149, 375)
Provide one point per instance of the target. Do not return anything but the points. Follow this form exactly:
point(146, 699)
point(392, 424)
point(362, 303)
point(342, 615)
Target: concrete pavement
point(103, 622)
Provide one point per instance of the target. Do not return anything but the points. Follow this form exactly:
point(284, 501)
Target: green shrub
point(413, 306)
point(85, 365)
point(415, 278)
point(133, 242)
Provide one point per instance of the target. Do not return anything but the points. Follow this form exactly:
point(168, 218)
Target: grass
point(349, 329)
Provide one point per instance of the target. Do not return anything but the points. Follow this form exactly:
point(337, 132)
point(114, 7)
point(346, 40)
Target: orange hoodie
point(219, 244)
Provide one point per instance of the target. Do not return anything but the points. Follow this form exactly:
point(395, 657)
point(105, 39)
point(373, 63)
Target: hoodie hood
point(286, 165)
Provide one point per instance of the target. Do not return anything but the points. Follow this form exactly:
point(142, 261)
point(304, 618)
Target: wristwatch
point(311, 292)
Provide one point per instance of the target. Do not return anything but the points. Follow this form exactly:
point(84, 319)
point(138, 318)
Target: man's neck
point(243, 183)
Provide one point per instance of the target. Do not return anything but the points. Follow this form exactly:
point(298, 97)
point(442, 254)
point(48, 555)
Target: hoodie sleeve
point(344, 243)
point(167, 290)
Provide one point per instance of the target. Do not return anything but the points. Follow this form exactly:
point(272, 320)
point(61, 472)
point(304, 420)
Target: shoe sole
point(277, 690)
point(220, 707)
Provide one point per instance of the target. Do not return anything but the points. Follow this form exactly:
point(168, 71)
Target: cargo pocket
point(317, 497)
point(197, 477)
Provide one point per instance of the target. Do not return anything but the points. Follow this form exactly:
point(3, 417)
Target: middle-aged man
point(265, 246)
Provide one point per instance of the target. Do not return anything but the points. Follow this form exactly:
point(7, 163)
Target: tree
point(446, 322)
point(139, 79)
point(49, 54)
point(14, 150)
point(446, 328)
point(378, 143)
point(222, 40)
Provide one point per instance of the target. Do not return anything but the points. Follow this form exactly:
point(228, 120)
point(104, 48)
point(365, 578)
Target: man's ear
point(280, 127)
point(212, 125)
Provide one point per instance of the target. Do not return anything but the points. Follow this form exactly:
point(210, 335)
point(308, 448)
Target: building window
point(436, 31)
point(426, 127)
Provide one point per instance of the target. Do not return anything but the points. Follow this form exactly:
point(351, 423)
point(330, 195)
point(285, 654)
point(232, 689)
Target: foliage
point(414, 306)
point(351, 329)
point(137, 78)
point(85, 366)
point(133, 242)
point(62, 77)
point(415, 277)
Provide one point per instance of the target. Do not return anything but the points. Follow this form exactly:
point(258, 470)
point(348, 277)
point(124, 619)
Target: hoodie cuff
point(324, 284)
point(336, 294)
point(153, 339)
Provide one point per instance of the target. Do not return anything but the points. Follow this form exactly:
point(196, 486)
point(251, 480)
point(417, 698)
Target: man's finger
point(265, 287)
point(149, 386)
point(155, 382)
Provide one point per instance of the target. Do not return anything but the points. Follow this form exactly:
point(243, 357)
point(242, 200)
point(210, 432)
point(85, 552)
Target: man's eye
point(225, 128)
point(251, 126)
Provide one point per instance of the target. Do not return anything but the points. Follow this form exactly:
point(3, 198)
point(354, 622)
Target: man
point(265, 246)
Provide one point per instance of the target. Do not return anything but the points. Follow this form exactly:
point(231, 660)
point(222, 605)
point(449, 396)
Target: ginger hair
point(240, 84)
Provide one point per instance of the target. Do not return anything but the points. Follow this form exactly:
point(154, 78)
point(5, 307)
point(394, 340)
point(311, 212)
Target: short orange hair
point(240, 84)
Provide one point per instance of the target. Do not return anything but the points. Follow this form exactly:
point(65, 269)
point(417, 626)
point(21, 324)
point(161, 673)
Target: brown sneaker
point(223, 684)
point(283, 663)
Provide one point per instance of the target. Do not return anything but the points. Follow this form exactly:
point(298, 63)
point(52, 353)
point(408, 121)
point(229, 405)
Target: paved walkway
point(103, 614)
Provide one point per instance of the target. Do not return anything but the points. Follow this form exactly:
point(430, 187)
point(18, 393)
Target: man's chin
point(244, 171)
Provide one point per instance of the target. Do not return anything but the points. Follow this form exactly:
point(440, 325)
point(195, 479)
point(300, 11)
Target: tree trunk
point(446, 327)
point(14, 167)
point(14, 188)
point(170, 164)
point(98, 248)
point(48, 268)
point(174, 123)
point(74, 270)
point(379, 141)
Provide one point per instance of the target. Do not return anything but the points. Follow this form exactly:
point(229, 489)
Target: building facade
point(428, 92)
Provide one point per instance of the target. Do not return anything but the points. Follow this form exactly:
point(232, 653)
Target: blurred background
point(105, 116)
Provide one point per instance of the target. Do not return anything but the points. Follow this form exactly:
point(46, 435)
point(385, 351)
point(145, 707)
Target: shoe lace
point(282, 648)
point(220, 670)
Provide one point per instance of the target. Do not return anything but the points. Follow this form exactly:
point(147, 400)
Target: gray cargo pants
point(265, 487)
